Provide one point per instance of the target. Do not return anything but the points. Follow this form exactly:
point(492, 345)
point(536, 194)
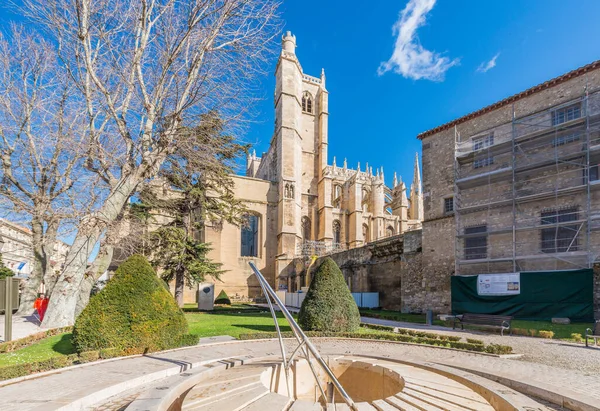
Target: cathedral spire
point(334, 165)
point(416, 194)
point(395, 183)
point(345, 164)
point(416, 185)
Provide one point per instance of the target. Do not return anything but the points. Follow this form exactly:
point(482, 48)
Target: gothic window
point(307, 103)
point(366, 236)
point(289, 190)
point(250, 236)
point(337, 195)
point(337, 232)
point(365, 200)
point(389, 231)
point(306, 229)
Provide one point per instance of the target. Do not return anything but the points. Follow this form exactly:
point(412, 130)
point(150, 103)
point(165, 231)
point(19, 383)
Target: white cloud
point(409, 58)
point(487, 65)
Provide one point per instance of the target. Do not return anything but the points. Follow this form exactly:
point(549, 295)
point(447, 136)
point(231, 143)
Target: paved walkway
point(555, 353)
point(106, 378)
point(23, 325)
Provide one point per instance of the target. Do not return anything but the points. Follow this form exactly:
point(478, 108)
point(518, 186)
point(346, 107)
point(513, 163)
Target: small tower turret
point(288, 42)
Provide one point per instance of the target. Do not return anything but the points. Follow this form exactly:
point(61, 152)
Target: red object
point(40, 305)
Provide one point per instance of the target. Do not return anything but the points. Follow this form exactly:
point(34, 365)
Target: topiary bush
point(328, 305)
point(223, 298)
point(134, 313)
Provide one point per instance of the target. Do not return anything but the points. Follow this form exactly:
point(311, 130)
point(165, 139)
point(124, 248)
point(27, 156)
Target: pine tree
point(4, 270)
point(178, 247)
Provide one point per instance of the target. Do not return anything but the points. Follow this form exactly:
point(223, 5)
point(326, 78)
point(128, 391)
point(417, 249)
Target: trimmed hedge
point(414, 333)
point(328, 305)
point(490, 349)
point(223, 298)
point(134, 313)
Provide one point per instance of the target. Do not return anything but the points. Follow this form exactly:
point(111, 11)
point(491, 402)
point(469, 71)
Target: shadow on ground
point(262, 328)
point(64, 345)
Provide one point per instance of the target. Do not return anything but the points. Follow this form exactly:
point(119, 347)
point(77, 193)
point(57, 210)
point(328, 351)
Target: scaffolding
point(527, 192)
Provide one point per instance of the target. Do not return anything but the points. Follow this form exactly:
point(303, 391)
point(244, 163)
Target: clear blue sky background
point(376, 118)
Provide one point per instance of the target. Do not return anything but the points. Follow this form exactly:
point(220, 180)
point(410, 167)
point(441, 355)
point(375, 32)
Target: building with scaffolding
point(514, 187)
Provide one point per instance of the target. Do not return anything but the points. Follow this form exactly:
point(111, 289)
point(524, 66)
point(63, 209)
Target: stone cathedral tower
point(298, 203)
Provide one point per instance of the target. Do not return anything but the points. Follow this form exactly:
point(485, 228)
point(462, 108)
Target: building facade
point(514, 186)
point(299, 202)
point(17, 249)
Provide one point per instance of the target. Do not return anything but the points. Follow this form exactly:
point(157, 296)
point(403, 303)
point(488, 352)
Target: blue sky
point(374, 116)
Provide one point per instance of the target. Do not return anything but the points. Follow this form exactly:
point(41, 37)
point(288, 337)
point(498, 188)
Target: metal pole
point(8, 310)
point(264, 285)
point(307, 342)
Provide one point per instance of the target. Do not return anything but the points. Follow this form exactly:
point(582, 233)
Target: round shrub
point(134, 313)
point(328, 305)
point(223, 298)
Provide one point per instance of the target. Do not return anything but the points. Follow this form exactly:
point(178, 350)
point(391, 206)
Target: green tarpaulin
point(544, 295)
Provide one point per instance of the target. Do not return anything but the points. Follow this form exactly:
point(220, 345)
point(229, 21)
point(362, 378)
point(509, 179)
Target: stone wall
point(439, 228)
point(393, 268)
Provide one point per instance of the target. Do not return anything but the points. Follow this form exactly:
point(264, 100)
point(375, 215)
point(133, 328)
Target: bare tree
point(40, 139)
point(146, 69)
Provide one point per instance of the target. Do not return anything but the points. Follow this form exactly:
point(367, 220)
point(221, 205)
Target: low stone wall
point(391, 267)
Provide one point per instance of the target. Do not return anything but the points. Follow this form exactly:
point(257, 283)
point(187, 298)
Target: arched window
point(250, 236)
point(306, 229)
point(366, 203)
point(307, 103)
point(336, 195)
point(337, 232)
point(389, 231)
point(366, 236)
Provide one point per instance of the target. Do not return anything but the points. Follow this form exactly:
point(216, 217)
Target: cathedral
point(298, 203)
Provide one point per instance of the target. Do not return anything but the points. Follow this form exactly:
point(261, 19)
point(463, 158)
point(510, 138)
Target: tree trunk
point(98, 268)
point(63, 304)
point(31, 286)
point(50, 273)
point(179, 287)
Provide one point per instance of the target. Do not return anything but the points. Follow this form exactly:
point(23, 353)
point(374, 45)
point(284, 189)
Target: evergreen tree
point(329, 305)
point(4, 270)
point(178, 247)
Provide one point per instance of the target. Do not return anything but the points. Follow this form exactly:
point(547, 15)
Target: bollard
point(429, 317)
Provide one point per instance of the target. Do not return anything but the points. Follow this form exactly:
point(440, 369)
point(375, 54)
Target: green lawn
point(232, 323)
point(560, 331)
point(55, 346)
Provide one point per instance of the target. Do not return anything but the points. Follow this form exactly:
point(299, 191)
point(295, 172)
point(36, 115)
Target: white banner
point(499, 284)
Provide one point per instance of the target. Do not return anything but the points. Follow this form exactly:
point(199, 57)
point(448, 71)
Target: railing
point(304, 344)
point(318, 248)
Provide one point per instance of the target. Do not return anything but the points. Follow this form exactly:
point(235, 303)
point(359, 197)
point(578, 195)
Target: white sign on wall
point(499, 284)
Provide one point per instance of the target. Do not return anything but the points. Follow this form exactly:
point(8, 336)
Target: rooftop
point(509, 100)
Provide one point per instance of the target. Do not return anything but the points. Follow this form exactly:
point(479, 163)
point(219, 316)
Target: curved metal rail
point(304, 343)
